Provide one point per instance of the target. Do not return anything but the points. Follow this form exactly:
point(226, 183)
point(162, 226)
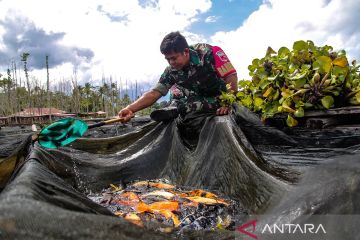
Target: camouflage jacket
point(197, 86)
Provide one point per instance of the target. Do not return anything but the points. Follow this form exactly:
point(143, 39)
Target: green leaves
point(300, 45)
point(258, 102)
point(270, 51)
point(291, 122)
point(298, 76)
point(283, 51)
point(247, 101)
point(327, 101)
point(291, 81)
point(299, 112)
point(323, 64)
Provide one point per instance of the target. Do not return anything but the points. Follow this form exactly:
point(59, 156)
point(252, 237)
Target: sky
point(121, 39)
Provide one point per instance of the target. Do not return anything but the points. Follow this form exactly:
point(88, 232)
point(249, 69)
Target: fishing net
point(286, 172)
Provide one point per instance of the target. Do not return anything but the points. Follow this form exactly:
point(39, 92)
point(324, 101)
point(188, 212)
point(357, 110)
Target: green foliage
point(293, 81)
point(148, 110)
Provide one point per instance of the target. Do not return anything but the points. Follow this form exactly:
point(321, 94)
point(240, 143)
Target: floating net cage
point(199, 177)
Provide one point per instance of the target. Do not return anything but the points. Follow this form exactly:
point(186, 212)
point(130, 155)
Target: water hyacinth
point(293, 81)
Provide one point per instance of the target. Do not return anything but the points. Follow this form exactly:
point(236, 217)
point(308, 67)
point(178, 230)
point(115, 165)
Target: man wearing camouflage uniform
point(196, 76)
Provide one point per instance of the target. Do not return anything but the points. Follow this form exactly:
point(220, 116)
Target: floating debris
point(170, 208)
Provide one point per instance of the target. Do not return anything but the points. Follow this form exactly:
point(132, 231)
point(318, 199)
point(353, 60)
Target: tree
point(8, 86)
point(113, 94)
point(48, 84)
point(87, 92)
point(75, 92)
point(126, 99)
point(24, 58)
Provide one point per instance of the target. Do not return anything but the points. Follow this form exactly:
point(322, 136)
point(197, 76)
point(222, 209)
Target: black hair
point(173, 42)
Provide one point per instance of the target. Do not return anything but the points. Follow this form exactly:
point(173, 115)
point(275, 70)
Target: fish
point(159, 193)
point(165, 208)
point(131, 217)
point(157, 206)
point(126, 199)
point(130, 195)
point(202, 193)
point(153, 184)
point(199, 193)
point(208, 201)
point(115, 188)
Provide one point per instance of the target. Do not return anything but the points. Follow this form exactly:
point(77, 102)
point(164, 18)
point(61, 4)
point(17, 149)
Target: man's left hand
point(222, 111)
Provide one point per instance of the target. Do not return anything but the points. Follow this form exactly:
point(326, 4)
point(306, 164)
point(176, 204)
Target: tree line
point(17, 93)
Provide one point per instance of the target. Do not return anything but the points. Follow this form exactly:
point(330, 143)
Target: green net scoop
point(62, 132)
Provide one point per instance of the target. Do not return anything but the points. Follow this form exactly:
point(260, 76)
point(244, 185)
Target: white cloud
point(211, 19)
point(125, 35)
point(281, 22)
point(127, 48)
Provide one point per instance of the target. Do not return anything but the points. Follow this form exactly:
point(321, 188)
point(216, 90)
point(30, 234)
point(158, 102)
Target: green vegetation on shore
point(293, 81)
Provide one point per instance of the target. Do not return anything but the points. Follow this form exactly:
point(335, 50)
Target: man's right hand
point(126, 114)
point(146, 100)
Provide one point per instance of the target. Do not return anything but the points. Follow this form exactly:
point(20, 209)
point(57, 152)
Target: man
point(197, 75)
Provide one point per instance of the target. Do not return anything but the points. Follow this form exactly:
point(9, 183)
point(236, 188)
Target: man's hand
point(126, 114)
point(223, 111)
point(146, 100)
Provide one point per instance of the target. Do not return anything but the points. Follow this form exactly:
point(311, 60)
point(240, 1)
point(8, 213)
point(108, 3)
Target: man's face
point(178, 60)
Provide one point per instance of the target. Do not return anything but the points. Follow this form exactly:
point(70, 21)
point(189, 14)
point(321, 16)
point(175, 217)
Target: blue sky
point(224, 15)
point(121, 38)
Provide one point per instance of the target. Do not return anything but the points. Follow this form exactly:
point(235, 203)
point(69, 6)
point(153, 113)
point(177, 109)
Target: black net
point(266, 170)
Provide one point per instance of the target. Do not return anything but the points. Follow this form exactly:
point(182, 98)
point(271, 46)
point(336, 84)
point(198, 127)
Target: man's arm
point(225, 70)
point(233, 81)
point(146, 100)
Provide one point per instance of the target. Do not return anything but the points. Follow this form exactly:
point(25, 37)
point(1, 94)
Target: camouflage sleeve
point(165, 82)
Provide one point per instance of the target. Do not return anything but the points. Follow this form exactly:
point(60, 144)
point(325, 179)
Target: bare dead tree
point(75, 91)
point(48, 85)
point(24, 58)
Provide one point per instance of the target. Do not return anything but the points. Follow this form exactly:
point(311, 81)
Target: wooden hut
point(37, 115)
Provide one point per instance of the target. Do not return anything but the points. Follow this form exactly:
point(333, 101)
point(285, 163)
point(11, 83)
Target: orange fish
point(202, 193)
point(207, 200)
point(157, 206)
point(164, 208)
point(161, 185)
point(131, 217)
point(130, 195)
point(153, 184)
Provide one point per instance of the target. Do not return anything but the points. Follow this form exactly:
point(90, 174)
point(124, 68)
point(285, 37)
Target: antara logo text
point(249, 229)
